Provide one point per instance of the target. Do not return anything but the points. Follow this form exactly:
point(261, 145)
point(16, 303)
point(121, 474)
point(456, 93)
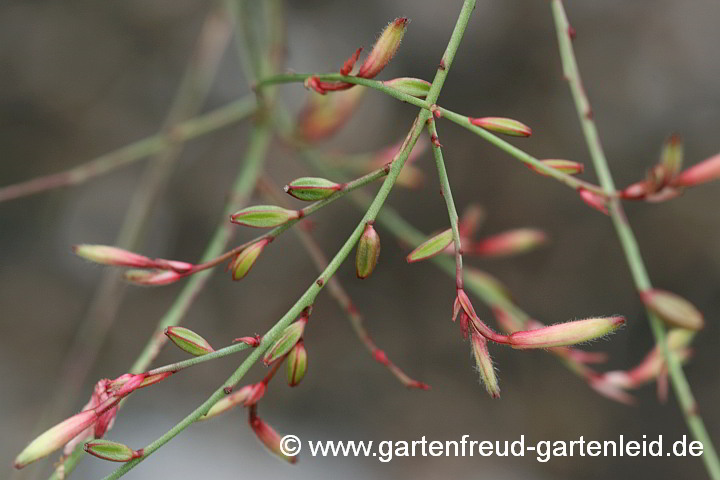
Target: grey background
point(80, 78)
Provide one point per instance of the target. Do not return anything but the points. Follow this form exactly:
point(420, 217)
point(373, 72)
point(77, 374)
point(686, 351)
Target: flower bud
point(296, 364)
point(55, 438)
point(311, 189)
point(290, 336)
point(269, 437)
point(470, 220)
point(152, 277)
point(703, 172)
point(247, 395)
point(671, 157)
point(368, 252)
point(485, 366)
point(564, 166)
point(595, 200)
point(384, 49)
point(112, 451)
point(188, 341)
point(264, 216)
point(673, 309)
point(415, 87)
point(107, 255)
point(250, 341)
point(512, 242)
point(506, 126)
point(431, 247)
point(245, 260)
point(569, 333)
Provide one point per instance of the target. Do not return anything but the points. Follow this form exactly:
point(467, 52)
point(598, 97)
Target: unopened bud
point(512, 242)
point(250, 341)
point(671, 157)
point(431, 247)
point(188, 341)
point(107, 255)
point(484, 364)
point(415, 87)
point(595, 200)
point(368, 252)
point(152, 277)
point(311, 189)
point(384, 49)
point(296, 364)
point(112, 451)
point(564, 166)
point(673, 309)
point(270, 438)
point(55, 438)
point(246, 396)
point(245, 260)
point(290, 336)
point(264, 216)
point(703, 172)
point(506, 126)
point(569, 333)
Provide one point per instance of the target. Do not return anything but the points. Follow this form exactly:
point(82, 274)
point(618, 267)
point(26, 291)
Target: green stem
point(311, 293)
point(191, 362)
point(449, 202)
point(628, 241)
point(188, 130)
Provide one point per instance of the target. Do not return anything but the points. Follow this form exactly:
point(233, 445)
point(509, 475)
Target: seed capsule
point(368, 251)
point(415, 87)
point(506, 126)
point(286, 342)
point(246, 259)
point(673, 309)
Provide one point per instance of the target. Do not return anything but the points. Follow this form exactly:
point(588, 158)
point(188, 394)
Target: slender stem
point(188, 130)
point(191, 362)
point(449, 202)
point(628, 241)
point(462, 120)
point(311, 293)
point(338, 292)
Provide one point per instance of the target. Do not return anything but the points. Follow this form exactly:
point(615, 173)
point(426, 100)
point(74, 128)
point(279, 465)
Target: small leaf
point(673, 309)
point(188, 341)
point(264, 216)
point(431, 247)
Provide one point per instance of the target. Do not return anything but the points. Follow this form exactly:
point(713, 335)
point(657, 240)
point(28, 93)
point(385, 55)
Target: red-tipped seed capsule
point(188, 341)
point(296, 364)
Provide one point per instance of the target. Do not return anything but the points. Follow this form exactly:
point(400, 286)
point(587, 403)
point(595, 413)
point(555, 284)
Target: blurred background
point(80, 78)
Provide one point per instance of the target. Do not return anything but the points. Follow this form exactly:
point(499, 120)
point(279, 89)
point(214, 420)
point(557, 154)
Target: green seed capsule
point(311, 189)
point(368, 251)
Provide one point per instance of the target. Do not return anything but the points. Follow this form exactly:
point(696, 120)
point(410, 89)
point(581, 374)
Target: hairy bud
point(484, 364)
point(569, 333)
point(384, 49)
point(152, 277)
point(703, 172)
point(269, 437)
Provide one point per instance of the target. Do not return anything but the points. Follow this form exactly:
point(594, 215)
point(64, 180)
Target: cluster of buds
point(146, 271)
point(95, 419)
point(666, 179)
point(384, 49)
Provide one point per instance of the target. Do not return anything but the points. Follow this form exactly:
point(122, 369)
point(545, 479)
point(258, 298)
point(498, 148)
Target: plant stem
point(191, 362)
point(462, 120)
point(449, 202)
point(188, 130)
point(308, 297)
point(628, 241)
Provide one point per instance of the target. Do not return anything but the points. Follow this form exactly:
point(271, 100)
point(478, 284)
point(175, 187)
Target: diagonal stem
point(628, 241)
